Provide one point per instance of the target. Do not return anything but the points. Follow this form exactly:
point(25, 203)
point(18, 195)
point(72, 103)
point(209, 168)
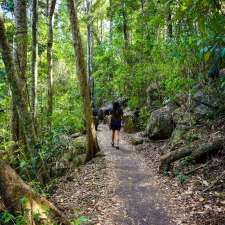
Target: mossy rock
point(178, 136)
point(129, 126)
point(77, 161)
point(183, 135)
point(160, 124)
point(137, 141)
point(80, 145)
point(76, 155)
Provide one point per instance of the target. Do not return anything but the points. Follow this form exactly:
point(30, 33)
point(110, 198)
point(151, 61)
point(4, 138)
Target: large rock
point(183, 118)
point(73, 156)
point(201, 105)
point(160, 124)
point(153, 96)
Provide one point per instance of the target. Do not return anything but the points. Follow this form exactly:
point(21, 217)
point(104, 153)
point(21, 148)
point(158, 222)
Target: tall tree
point(110, 21)
point(125, 25)
point(51, 10)
point(169, 26)
point(34, 57)
point(19, 95)
point(20, 59)
point(93, 147)
point(90, 50)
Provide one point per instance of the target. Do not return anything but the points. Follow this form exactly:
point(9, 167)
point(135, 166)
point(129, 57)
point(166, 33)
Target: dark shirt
point(117, 115)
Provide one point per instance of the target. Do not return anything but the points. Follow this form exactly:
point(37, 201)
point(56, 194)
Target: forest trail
point(140, 199)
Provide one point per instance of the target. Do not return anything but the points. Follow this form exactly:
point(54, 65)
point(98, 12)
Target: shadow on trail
point(135, 185)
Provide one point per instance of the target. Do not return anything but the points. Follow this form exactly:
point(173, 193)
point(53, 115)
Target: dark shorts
point(116, 125)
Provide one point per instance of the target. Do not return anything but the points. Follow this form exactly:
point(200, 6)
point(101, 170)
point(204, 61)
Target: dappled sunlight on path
point(141, 202)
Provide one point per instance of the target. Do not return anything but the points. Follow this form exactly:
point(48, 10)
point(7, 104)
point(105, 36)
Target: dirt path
point(135, 188)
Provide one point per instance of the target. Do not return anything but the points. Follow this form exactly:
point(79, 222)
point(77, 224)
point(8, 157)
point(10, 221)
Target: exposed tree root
point(195, 169)
point(13, 188)
point(193, 153)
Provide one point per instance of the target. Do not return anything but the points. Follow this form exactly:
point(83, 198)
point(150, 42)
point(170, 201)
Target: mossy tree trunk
point(20, 60)
point(90, 51)
point(18, 94)
point(110, 22)
point(193, 154)
point(13, 189)
point(34, 57)
point(50, 60)
point(93, 147)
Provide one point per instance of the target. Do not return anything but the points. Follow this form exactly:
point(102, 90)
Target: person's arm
point(110, 122)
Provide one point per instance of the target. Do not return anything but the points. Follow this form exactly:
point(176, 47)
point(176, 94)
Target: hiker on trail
point(115, 123)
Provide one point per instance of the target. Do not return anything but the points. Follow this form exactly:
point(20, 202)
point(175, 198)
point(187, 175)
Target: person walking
point(115, 124)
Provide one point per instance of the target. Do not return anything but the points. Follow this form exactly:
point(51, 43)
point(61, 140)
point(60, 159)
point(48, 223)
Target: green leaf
point(23, 200)
point(207, 56)
point(6, 217)
point(83, 219)
point(23, 163)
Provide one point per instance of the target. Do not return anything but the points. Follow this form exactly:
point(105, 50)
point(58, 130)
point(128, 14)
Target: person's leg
point(113, 137)
point(117, 138)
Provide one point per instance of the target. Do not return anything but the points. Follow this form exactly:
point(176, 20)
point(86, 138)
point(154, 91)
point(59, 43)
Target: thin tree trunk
point(125, 26)
point(34, 57)
point(97, 39)
point(101, 30)
point(18, 94)
point(93, 147)
point(169, 26)
point(50, 61)
point(90, 52)
point(111, 21)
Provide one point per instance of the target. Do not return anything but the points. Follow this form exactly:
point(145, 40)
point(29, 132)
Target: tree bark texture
point(34, 57)
point(20, 59)
point(90, 51)
point(50, 61)
point(18, 94)
point(194, 154)
point(125, 25)
point(13, 188)
point(169, 25)
point(14, 123)
point(110, 21)
point(82, 76)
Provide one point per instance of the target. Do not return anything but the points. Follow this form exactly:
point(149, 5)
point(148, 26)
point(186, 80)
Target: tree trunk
point(21, 40)
point(20, 60)
point(90, 52)
point(34, 57)
point(14, 124)
point(18, 94)
point(194, 154)
point(50, 61)
point(111, 21)
point(13, 189)
point(82, 76)
point(125, 26)
point(96, 36)
point(169, 26)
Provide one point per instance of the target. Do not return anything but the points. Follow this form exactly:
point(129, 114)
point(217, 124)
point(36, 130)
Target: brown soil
point(195, 193)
